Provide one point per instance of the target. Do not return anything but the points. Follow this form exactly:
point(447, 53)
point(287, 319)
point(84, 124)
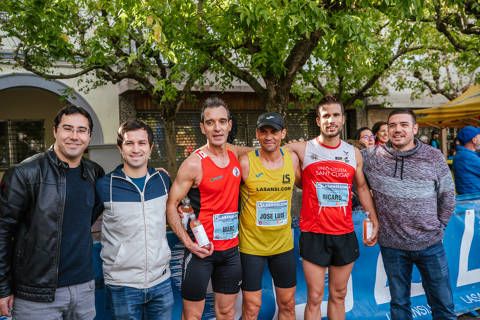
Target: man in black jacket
point(47, 205)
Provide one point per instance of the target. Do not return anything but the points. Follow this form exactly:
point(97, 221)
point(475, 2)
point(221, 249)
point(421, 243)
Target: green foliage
point(303, 48)
point(356, 58)
point(453, 27)
point(107, 41)
point(310, 48)
point(458, 21)
point(147, 41)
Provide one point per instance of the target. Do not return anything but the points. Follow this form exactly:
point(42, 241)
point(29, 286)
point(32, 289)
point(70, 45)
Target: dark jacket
point(32, 200)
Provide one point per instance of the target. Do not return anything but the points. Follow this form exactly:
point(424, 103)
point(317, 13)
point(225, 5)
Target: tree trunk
point(167, 109)
point(278, 96)
point(171, 146)
point(277, 101)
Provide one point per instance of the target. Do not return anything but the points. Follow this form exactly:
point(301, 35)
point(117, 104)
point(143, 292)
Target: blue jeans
point(129, 303)
point(433, 267)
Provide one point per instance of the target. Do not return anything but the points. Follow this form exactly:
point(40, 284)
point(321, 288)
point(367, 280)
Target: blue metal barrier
point(368, 294)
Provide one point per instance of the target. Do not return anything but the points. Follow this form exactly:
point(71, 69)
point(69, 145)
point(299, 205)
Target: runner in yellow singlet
point(265, 234)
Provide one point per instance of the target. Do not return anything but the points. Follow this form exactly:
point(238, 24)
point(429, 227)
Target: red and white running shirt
point(327, 176)
point(215, 201)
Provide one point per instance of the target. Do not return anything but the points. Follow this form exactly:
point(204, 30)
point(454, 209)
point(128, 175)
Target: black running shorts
point(327, 249)
point(281, 266)
point(223, 267)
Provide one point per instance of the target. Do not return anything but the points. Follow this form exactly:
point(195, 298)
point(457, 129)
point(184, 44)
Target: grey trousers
point(75, 302)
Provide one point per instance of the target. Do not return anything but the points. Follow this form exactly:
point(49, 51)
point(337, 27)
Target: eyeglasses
point(368, 137)
point(79, 130)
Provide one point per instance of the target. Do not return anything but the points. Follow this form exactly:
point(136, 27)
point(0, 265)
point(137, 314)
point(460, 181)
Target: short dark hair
point(329, 99)
point(72, 109)
point(376, 127)
point(359, 131)
point(213, 102)
point(403, 111)
point(131, 125)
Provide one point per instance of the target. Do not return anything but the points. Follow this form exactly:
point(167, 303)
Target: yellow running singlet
point(265, 220)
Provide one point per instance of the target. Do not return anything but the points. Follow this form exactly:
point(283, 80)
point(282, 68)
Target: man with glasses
point(47, 205)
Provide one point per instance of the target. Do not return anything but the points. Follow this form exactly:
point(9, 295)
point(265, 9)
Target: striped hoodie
point(413, 192)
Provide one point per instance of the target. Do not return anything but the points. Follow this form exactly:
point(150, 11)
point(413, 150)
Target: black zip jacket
point(32, 200)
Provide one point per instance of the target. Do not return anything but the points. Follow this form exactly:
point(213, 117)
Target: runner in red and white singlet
point(328, 240)
point(327, 176)
point(215, 201)
point(211, 176)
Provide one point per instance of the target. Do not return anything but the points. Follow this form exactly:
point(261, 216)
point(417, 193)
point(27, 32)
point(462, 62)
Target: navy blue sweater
point(76, 245)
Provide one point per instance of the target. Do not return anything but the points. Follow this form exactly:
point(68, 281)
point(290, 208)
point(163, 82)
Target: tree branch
point(315, 82)
point(299, 55)
point(340, 86)
point(115, 76)
point(443, 28)
point(449, 78)
point(400, 52)
point(432, 89)
point(237, 71)
point(27, 66)
point(187, 88)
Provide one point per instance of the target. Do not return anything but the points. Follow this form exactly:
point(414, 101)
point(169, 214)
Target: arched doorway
point(28, 105)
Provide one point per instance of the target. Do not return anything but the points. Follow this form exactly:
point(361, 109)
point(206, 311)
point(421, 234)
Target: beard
point(331, 134)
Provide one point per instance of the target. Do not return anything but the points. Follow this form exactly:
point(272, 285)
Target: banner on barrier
point(368, 293)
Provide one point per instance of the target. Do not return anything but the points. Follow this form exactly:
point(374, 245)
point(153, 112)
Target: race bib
point(332, 194)
point(225, 226)
point(272, 213)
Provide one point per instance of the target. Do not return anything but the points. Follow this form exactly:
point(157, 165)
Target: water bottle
point(199, 233)
point(367, 227)
point(187, 212)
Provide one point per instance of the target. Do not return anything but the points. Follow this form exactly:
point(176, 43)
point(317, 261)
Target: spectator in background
point(233, 133)
point(452, 151)
point(379, 129)
point(434, 142)
point(356, 205)
point(453, 148)
point(466, 163)
point(424, 139)
point(365, 136)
